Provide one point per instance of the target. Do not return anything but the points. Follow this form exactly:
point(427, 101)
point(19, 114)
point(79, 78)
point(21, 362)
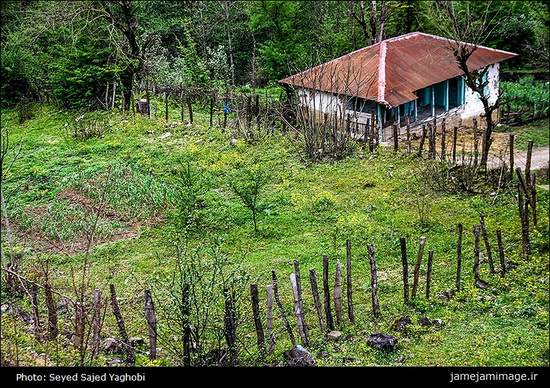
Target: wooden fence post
point(338, 293)
point(524, 217)
point(151, 324)
point(349, 289)
point(52, 312)
point(511, 146)
point(528, 163)
point(96, 323)
point(269, 319)
point(405, 265)
point(486, 241)
point(281, 309)
point(300, 300)
point(408, 134)
point(326, 294)
point(374, 282)
point(190, 108)
point(35, 314)
point(417, 266)
point(431, 141)
point(395, 137)
point(443, 139)
point(478, 282)
point(459, 257)
point(455, 135)
point(230, 324)
point(523, 183)
point(166, 106)
point(316, 298)
point(302, 327)
point(256, 315)
point(422, 140)
point(429, 273)
point(501, 253)
point(130, 357)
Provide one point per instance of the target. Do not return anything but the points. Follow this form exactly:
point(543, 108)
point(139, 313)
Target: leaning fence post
point(528, 163)
point(374, 281)
point(281, 309)
point(301, 300)
point(316, 299)
point(302, 327)
point(417, 266)
point(349, 282)
point(151, 324)
point(130, 358)
point(269, 318)
point(486, 241)
point(326, 293)
point(480, 283)
point(256, 315)
point(405, 265)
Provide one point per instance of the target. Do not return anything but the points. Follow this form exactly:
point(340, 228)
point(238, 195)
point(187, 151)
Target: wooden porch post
point(433, 100)
point(446, 95)
point(380, 128)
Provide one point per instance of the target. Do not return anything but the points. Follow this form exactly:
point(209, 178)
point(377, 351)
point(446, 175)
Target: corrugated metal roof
point(390, 71)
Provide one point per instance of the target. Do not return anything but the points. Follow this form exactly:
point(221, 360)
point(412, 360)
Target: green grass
point(536, 131)
point(305, 212)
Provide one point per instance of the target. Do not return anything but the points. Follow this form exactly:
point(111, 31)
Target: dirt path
point(539, 159)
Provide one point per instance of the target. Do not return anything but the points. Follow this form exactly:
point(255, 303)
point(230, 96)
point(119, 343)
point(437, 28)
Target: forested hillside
point(74, 52)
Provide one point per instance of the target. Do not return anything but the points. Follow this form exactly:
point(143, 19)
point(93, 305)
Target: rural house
point(414, 75)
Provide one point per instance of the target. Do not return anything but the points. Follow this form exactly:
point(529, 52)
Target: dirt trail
point(539, 159)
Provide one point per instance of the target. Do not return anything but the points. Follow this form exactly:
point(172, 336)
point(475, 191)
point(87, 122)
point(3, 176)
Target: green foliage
point(248, 184)
point(525, 93)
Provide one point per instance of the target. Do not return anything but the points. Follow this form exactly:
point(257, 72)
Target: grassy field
point(161, 199)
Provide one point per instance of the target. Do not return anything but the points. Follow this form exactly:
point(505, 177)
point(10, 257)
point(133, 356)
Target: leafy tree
point(248, 185)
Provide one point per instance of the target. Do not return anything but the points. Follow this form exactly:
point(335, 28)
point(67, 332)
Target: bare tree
point(372, 20)
point(122, 17)
point(467, 30)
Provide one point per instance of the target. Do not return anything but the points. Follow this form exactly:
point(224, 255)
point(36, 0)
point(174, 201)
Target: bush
point(525, 93)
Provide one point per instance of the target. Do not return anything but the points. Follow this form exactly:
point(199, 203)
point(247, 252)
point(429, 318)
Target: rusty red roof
point(390, 71)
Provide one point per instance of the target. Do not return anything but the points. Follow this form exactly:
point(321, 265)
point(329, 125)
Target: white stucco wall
point(320, 101)
point(473, 106)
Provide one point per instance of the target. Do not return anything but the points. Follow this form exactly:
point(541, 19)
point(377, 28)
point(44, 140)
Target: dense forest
point(74, 52)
